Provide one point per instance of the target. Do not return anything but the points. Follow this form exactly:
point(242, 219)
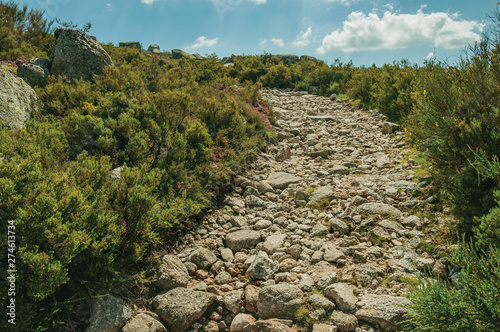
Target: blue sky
point(364, 31)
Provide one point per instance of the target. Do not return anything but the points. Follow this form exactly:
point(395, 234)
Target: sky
point(365, 32)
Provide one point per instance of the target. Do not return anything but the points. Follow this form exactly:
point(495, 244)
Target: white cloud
point(204, 42)
point(303, 38)
point(148, 2)
point(392, 31)
point(278, 42)
point(110, 6)
point(259, 2)
point(431, 55)
point(344, 2)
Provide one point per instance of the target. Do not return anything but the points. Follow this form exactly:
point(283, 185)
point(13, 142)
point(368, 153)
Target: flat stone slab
point(383, 310)
point(379, 208)
point(281, 180)
point(323, 193)
point(182, 307)
point(320, 118)
point(243, 239)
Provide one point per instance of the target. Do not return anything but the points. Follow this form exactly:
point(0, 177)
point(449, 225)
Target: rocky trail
point(316, 236)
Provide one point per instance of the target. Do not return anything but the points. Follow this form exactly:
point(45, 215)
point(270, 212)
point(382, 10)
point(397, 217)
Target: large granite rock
point(18, 101)
point(279, 301)
point(77, 55)
point(131, 44)
point(35, 72)
point(343, 296)
point(379, 208)
point(108, 314)
point(383, 310)
point(320, 194)
point(203, 258)
point(172, 273)
point(155, 49)
point(143, 322)
point(243, 239)
point(180, 54)
point(262, 267)
point(281, 180)
point(181, 307)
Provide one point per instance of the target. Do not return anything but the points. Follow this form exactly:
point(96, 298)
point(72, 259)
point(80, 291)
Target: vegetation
point(179, 129)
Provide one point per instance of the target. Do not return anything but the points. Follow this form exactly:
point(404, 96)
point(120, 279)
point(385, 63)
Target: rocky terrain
point(316, 236)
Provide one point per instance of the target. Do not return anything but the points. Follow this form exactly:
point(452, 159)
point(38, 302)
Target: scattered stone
point(35, 72)
point(383, 310)
point(379, 208)
point(172, 273)
point(338, 225)
point(281, 180)
point(240, 322)
point(144, 323)
point(243, 239)
point(343, 296)
point(232, 301)
point(344, 322)
point(279, 301)
point(108, 314)
point(155, 49)
point(320, 194)
point(180, 54)
point(262, 268)
point(284, 154)
point(389, 127)
point(203, 258)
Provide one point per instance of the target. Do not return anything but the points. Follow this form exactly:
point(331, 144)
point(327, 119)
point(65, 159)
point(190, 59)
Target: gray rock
point(327, 280)
point(233, 302)
point(180, 54)
point(324, 328)
point(264, 187)
point(144, 323)
point(240, 322)
point(244, 239)
point(279, 301)
point(172, 273)
point(273, 243)
point(343, 296)
point(254, 201)
point(181, 307)
point(284, 154)
point(227, 255)
point(203, 258)
point(379, 208)
point(319, 230)
point(332, 254)
point(281, 180)
point(322, 302)
point(262, 268)
point(223, 278)
point(270, 325)
point(131, 44)
point(320, 118)
point(344, 322)
point(35, 72)
point(338, 225)
point(18, 101)
point(154, 49)
point(108, 314)
point(365, 274)
point(389, 127)
point(383, 310)
point(339, 169)
point(77, 55)
point(320, 194)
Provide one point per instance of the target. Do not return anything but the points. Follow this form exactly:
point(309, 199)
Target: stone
point(18, 100)
point(227, 255)
point(324, 328)
point(232, 301)
point(365, 274)
point(108, 314)
point(270, 325)
point(251, 298)
point(155, 49)
point(273, 243)
point(76, 55)
point(281, 180)
point(319, 230)
point(203, 258)
point(35, 72)
point(338, 225)
point(333, 255)
point(131, 44)
point(344, 322)
point(264, 187)
point(223, 278)
point(279, 301)
point(244, 239)
point(441, 270)
point(181, 307)
point(144, 323)
point(262, 268)
point(327, 280)
point(389, 127)
point(319, 301)
point(383, 310)
point(343, 296)
point(180, 54)
point(172, 273)
point(284, 154)
point(339, 169)
point(379, 208)
point(240, 322)
point(254, 201)
point(320, 118)
point(320, 194)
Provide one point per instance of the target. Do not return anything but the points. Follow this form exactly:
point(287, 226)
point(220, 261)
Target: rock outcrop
point(35, 72)
point(131, 44)
point(180, 54)
point(155, 49)
point(18, 101)
point(77, 55)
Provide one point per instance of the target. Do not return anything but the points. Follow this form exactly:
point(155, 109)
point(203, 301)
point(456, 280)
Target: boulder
point(203, 258)
point(77, 55)
point(108, 314)
point(343, 296)
point(389, 127)
point(383, 310)
point(154, 49)
point(243, 239)
point(281, 180)
point(18, 101)
point(35, 72)
point(144, 323)
point(320, 194)
point(379, 208)
point(267, 326)
point(240, 322)
point(284, 154)
point(172, 273)
point(181, 307)
point(287, 59)
point(338, 225)
point(232, 301)
point(180, 54)
point(279, 301)
point(131, 44)
point(273, 243)
point(262, 267)
point(344, 322)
